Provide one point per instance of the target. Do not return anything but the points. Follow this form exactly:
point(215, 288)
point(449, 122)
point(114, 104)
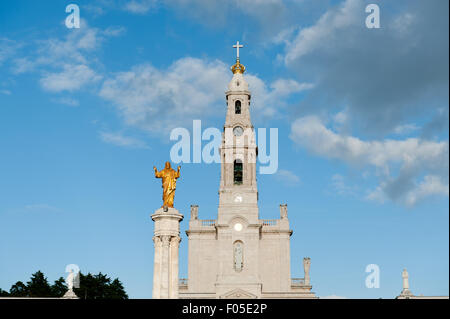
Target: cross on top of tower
point(237, 46)
point(237, 67)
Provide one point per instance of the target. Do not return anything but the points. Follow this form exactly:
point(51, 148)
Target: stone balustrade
point(208, 222)
point(297, 282)
point(269, 222)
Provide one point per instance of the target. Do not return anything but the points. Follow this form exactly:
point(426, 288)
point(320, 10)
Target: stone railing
point(297, 282)
point(208, 222)
point(182, 283)
point(269, 222)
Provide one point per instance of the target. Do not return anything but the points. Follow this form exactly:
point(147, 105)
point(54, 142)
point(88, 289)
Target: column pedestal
point(166, 242)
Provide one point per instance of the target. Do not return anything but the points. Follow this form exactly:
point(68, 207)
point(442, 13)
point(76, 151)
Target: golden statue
point(169, 183)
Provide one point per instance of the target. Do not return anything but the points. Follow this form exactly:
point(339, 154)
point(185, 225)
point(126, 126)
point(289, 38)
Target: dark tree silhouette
point(19, 289)
point(116, 290)
point(3, 293)
point(38, 286)
point(98, 286)
point(59, 288)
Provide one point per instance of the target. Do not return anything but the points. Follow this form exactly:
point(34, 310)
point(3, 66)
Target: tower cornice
point(232, 92)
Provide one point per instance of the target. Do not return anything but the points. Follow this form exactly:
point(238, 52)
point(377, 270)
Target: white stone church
point(237, 255)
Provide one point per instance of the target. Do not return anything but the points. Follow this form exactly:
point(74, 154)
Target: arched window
point(238, 172)
point(237, 107)
point(238, 255)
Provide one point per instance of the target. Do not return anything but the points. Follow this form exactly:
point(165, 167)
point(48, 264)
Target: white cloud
point(121, 140)
point(96, 10)
point(67, 101)
point(260, 8)
point(68, 63)
point(215, 12)
point(267, 101)
point(403, 22)
point(413, 156)
point(341, 121)
point(309, 39)
point(158, 100)
point(311, 132)
point(405, 129)
point(284, 36)
point(287, 177)
point(140, 6)
point(114, 31)
point(8, 48)
point(22, 65)
point(283, 87)
point(205, 11)
point(340, 185)
point(438, 124)
point(351, 66)
point(431, 185)
point(74, 48)
point(341, 118)
point(71, 78)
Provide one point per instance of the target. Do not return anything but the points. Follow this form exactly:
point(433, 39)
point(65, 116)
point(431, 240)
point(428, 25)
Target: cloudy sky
point(362, 116)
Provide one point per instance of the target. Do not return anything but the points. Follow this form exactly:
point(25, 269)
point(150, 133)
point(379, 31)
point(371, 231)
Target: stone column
point(166, 238)
point(174, 244)
point(306, 267)
point(157, 268)
point(165, 265)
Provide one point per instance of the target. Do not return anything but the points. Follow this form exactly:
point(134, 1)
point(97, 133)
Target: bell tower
point(238, 152)
point(239, 255)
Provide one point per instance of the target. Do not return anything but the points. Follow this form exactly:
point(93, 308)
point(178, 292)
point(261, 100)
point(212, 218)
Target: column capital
point(175, 240)
point(165, 239)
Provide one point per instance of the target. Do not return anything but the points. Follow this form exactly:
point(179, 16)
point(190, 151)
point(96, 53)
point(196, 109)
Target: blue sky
point(362, 116)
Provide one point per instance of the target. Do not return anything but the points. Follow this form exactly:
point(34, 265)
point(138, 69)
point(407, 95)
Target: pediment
point(238, 294)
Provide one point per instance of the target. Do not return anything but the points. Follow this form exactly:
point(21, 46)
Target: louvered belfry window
point(237, 107)
point(237, 172)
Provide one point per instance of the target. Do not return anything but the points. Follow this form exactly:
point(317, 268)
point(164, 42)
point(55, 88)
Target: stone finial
point(306, 267)
point(194, 212)
point(405, 277)
point(283, 211)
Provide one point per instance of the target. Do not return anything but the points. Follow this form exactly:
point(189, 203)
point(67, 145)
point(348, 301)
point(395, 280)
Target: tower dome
point(238, 82)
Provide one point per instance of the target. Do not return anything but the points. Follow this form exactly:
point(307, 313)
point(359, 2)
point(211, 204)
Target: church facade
point(239, 255)
point(236, 255)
